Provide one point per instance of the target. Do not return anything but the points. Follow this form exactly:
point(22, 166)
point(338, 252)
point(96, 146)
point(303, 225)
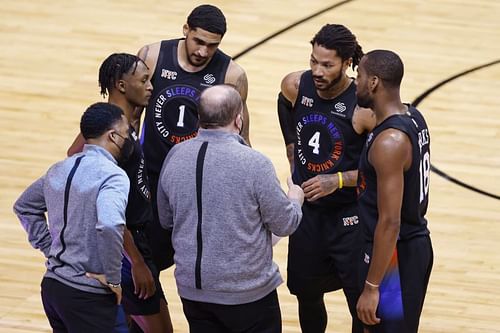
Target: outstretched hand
point(295, 192)
point(320, 186)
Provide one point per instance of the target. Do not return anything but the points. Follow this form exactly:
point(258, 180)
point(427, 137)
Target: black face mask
point(126, 149)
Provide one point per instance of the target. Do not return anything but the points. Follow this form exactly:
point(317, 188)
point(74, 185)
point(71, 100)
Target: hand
point(320, 186)
point(367, 306)
point(144, 283)
point(102, 279)
point(295, 191)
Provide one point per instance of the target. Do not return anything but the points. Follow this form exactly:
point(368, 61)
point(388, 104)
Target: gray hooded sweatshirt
point(85, 198)
point(224, 255)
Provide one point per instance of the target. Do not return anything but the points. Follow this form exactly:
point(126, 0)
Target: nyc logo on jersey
point(307, 101)
point(350, 220)
point(168, 74)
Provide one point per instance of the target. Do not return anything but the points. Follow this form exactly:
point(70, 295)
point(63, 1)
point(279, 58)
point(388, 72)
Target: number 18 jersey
point(326, 141)
point(416, 178)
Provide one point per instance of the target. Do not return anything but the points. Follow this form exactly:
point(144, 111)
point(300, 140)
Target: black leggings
point(313, 317)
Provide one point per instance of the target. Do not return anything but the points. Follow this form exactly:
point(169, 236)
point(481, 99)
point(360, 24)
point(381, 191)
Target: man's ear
point(120, 85)
point(185, 29)
point(346, 64)
point(373, 83)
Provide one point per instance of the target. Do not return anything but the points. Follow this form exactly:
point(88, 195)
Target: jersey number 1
point(180, 122)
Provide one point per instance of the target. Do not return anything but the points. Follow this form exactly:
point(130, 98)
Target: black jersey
point(139, 210)
point(172, 114)
point(326, 142)
point(416, 178)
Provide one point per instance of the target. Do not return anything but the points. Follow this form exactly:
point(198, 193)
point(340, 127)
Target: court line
point(279, 32)
point(429, 91)
point(417, 101)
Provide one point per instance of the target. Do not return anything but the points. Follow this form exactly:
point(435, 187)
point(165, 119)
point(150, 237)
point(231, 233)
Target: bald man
point(227, 202)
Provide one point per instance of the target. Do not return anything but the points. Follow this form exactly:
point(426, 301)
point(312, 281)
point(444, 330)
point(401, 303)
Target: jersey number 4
point(314, 142)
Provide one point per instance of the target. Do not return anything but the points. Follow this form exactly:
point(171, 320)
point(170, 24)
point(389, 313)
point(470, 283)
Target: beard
point(197, 61)
point(327, 85)
point(193, 59)
point(364, 101)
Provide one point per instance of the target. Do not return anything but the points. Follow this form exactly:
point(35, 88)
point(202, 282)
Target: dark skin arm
point(149, 54)
point(390, 155)
point(322, 185)
point(290, 90)
point(144, 283)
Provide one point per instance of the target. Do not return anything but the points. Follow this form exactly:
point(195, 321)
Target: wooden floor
point(49, 56)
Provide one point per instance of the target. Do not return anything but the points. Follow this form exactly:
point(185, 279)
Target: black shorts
point(132, 304)
point(402, 291)
point(160, 239)
point(322, 250)
point(261, 316)
point(72, 310)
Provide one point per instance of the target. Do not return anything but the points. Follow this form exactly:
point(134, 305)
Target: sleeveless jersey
point(326, 142)
point(172, 114)
point(139, 209)
point(416, 178)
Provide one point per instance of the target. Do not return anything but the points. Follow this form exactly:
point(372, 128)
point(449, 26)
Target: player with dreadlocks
point(324, 132)
point(125, 78)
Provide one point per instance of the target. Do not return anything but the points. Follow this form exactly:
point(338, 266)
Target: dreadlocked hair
point(113, 69)
point(337, 37)
point(209, 18)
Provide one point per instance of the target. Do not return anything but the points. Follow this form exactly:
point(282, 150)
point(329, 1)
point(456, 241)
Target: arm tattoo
point(242, 84)
point(290, 148)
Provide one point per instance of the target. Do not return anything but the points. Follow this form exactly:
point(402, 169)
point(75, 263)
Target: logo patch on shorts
point(367, 259)
point(351, 220)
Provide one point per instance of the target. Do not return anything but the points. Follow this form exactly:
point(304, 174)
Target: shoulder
point(149, 54)
point(363, 119)
point(391, 146)
point(290, 85)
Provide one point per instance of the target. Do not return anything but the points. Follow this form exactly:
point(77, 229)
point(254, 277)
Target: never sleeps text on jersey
point(176, 114)
point(321, 154)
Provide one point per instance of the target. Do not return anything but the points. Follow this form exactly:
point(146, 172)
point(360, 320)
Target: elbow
point(389, 227)
point(18, 207)
point(291, 226)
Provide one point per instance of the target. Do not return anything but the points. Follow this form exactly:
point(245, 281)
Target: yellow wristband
point(341, 181)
